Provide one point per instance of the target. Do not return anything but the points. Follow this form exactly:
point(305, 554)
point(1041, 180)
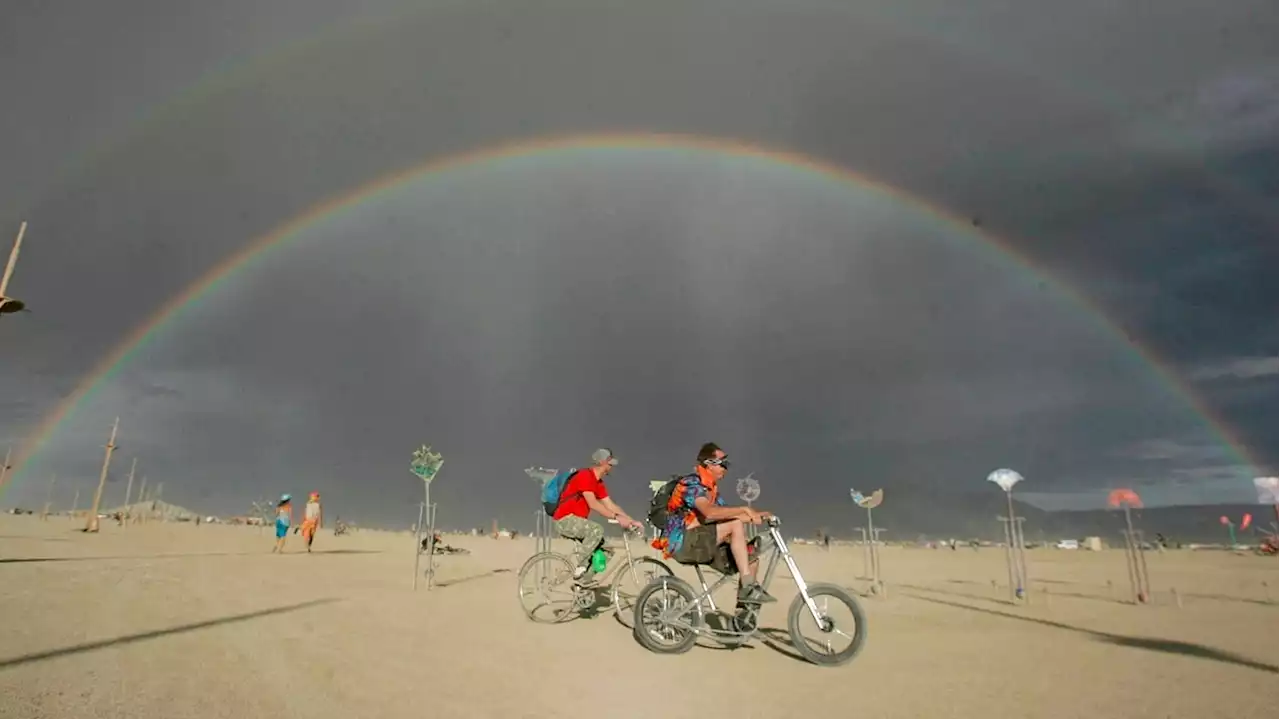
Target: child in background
point(284, 518)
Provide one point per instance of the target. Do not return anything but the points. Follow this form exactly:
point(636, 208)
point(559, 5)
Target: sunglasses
point(722, 462)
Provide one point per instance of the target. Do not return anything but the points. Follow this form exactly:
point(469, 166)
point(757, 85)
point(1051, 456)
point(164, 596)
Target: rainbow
point(139, 337)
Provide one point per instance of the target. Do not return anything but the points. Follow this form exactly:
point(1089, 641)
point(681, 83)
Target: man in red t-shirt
point(584, 492)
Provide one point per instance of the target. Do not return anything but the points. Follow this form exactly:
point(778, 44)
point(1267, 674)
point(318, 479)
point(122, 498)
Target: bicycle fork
point(795, 574)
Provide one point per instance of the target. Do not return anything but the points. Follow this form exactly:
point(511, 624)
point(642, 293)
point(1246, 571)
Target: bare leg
point(733, 532)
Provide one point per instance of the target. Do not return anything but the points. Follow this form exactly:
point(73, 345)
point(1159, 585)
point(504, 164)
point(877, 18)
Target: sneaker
point(578, 572)
point(753, 593)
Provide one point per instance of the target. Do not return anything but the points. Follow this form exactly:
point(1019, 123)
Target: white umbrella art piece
point(1015, 544)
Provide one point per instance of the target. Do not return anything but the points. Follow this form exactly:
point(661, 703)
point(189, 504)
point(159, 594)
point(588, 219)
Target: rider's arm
point(617, 511)
point(713, 513)
point(600, 507)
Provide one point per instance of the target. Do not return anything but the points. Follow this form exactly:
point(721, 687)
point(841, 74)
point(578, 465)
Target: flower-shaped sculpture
point(1268, 490)
point(1124, 498)
point(541, 475)
point(1004, 479)
point(870, 501)
point(426, 463)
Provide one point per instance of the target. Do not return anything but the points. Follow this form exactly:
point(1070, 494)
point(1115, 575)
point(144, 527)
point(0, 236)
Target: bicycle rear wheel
point(546, 588)
point(667, 615)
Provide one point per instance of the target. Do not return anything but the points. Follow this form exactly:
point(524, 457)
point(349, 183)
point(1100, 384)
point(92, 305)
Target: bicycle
point(680, 616)
point(552, 573)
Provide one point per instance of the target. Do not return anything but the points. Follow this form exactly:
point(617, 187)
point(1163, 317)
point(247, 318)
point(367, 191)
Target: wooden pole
point(142, 497)
point(48, 502)
point(4, 469)
point(92, 524)
point(128, 489)
point(13, 260)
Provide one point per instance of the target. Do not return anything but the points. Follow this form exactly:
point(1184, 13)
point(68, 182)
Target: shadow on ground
point(156, 634)
point(1168, 646)
point(471, 577)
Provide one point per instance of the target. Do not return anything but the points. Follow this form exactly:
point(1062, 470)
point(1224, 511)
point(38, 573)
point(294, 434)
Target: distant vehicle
point(1068, 544)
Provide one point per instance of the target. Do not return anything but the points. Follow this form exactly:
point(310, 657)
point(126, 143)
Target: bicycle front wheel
point(631, 579)
point(841, 627)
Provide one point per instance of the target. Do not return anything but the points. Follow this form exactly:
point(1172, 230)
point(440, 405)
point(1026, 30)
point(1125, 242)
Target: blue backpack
point(553, 491)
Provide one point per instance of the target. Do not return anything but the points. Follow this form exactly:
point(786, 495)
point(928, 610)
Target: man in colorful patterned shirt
point(699, 522)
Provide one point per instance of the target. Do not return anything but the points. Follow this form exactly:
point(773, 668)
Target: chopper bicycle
point(671, 615)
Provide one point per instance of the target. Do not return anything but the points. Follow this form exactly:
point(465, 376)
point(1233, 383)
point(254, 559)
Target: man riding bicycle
point(699, 522)
point(583, 493)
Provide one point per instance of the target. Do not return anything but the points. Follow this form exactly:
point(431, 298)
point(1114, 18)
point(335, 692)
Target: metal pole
point(866, 553)
point(431, 534)
point(1131, 562)
point(92, 524)
point(4, 468)
point(1008, 556)
point(871, 549)
point(13, 261)
point(875, 556)
point(1022, 558)
point(1015, 535)
point(128, 490)
point(1146, 577)
point(417, 544)
point(142, 493)
point(48, 502)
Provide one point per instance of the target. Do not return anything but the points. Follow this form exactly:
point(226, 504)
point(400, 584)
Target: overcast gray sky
point(517, 313)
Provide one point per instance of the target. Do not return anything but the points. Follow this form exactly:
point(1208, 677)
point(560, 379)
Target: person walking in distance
point(284, 518)
point(312, 519)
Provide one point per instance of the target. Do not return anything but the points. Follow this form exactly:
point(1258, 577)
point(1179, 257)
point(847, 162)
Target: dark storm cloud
point(519, 321)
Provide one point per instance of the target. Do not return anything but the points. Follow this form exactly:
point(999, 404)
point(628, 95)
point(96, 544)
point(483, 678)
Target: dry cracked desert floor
point(167, 621)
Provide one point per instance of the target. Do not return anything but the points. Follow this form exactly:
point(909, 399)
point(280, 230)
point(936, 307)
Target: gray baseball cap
point(603, 455)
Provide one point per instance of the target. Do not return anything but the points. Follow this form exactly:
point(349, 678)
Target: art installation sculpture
point(871, 537)
point(1135, 557)
point(425, 466)
point(1015, 543)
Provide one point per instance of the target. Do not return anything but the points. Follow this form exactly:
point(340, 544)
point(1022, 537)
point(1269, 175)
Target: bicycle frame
point(777, 549)
point(612, 566)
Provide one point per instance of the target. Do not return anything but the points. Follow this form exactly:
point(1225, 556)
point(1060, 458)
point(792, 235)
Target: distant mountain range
point(963, 516)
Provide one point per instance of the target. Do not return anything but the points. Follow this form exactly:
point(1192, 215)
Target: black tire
point(799, 611)
point(642, 565)
point(682, 639)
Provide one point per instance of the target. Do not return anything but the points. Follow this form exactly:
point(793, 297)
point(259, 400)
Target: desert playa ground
point(174, 620)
